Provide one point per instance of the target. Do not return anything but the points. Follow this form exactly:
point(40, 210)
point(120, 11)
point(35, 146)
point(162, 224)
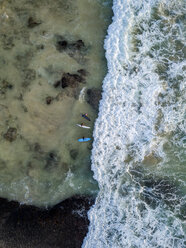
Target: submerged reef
point(75, 49)
point(93, 97)
point(51, 58)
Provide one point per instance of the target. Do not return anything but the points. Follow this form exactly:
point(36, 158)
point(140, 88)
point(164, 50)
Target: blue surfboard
point(86, 117)
point(84, 140)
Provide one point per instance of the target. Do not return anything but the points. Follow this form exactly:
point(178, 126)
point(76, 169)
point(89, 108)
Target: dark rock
point(73, 153)
point(25, 109)
point(77, 50)
point(62, 44)
point(49, 100)
point(57, 84)
point(40, 47)
point(82, 72)
point(10, 86)
point(32, 23)
point(78, 45)
point(71, 80)
point(64, 83)
point(4, 86)
point(37, 147)
point(52, 156)
point(94, 96)
point(78, 78)
point(11, 134)
point(64, 225)
point(52, 160)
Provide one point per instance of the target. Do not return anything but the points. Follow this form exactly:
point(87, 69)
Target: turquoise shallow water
point(41, 160)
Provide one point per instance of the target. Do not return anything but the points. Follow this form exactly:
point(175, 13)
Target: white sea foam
point(140, 112)
point(82, 95)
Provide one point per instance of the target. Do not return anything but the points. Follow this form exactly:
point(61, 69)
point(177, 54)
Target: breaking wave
point(138, 151)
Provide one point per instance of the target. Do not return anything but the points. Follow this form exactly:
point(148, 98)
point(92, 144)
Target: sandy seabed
point(51, 68)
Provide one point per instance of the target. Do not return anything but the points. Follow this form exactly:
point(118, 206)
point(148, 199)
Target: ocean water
point(41, 160)
point(138, 156)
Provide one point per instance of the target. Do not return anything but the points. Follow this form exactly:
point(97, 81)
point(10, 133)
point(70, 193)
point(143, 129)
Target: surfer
point(82, 125)
point(86, 116)
point(83, 139)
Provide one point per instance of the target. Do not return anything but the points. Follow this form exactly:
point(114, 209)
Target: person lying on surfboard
point(82, 125)
point(83, 139)
point(86, 116)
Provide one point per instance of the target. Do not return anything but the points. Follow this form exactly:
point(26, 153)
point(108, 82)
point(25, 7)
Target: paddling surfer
point(86, 116)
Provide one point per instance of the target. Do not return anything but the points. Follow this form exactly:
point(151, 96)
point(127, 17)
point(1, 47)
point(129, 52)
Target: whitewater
point(138, 155)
